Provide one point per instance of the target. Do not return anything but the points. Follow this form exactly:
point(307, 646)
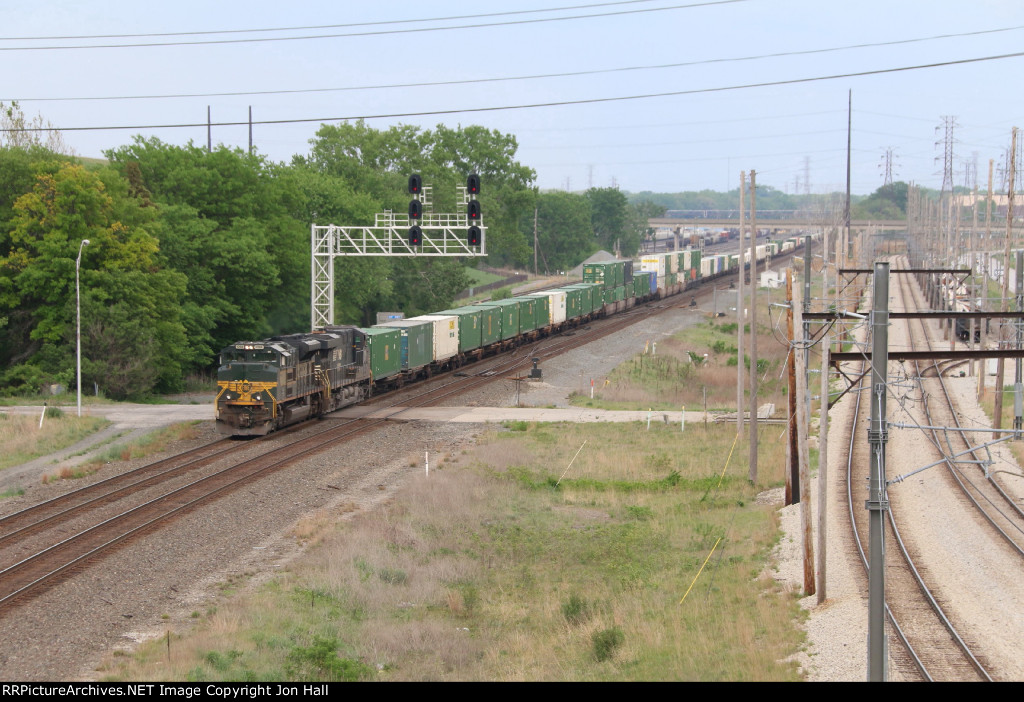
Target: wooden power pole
point(752, 472)
point(740, 306)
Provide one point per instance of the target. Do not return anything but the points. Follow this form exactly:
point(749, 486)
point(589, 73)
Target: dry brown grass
point(22, 439)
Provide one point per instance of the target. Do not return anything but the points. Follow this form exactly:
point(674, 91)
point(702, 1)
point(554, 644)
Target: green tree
point(121, 281)
point(564, 229)
point(888, 202)
point(231, 220)
point(376, 164)
point(609, 216)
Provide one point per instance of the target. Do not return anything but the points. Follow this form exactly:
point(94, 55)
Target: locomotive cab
point(247, 380)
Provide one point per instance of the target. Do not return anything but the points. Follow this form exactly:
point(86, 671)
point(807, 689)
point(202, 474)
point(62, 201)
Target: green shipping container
point(490, 323)
point(528, 317)
point(573, 302)
point(417, 342)
point(470, 327)
point(384, 347)
point(594, 273)
point(541, 311)
point(591, 299)
point(641, 283)
point(509, 317)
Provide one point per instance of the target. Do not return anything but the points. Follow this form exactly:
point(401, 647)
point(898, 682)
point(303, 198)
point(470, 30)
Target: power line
point(323, 26)
point(416, 30)
point(564, 74)
point(562, 103)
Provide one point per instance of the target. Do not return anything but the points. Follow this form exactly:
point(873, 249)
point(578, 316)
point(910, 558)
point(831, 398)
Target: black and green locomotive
point(264, 385)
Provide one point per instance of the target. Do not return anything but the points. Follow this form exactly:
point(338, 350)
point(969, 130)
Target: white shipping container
point(446, 334)
point(706, 267)
point(671, 263)
point(556, 305)
point(655, 264)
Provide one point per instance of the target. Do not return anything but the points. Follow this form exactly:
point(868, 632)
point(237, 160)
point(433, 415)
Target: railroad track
point(927, 636)
point(42, 545)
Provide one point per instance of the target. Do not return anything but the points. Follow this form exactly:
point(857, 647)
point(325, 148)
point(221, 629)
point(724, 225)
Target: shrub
point(606, 641)
point(576, 610)
point(320, 662)
point(640, 513)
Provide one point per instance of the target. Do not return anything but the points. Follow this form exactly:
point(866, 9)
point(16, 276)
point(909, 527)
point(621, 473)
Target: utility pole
point(803, 485)
point(984, 276)
point(209, 131)
point(1018, 389)
point(793, 474)
point(823, 435)
point(973, 307)
point(806, 328)
point(740, 305)
point(535, 241)
point(1000, 364)
point(878, 500)
point(250, 130)
point(752, 471)
point(840, 262)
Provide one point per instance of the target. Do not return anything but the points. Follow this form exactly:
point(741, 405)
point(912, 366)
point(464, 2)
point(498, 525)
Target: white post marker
point(648, 419)
point(682, 419)
point(426, 461)
point(591, 388)
point(654, 348)
point(43, 414)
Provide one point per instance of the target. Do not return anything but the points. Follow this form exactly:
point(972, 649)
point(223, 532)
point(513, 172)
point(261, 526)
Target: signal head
point(473, 184)
point(415, 210)
point(473, 210)
point(415, 184)
point(415, 236)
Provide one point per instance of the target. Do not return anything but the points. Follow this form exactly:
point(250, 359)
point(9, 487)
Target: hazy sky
point(655, 94)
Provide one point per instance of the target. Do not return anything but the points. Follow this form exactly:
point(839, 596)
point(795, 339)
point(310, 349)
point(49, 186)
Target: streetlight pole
point(78, 315)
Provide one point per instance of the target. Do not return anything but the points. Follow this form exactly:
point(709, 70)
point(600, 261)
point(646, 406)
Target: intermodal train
point(265, 385)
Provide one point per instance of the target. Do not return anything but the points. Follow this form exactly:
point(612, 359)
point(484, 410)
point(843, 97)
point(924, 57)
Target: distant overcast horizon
point(640, 94)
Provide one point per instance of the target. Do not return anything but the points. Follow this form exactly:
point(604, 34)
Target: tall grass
point(154, 442)
point(524, 571)
point(22, 439)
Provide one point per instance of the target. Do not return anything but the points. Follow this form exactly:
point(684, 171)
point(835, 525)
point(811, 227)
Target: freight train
point(265, 385)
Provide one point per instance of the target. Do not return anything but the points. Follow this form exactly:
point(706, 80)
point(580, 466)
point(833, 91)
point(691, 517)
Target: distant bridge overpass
point(771, 219)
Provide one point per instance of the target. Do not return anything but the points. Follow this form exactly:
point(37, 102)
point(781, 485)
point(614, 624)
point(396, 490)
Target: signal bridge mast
point(421, 232)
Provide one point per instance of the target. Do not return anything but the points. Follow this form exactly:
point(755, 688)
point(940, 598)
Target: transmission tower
point(886, 166)
point(948, 125)
point(807, 175)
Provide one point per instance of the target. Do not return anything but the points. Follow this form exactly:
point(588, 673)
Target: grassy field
point(548, 552)
point(23, 439)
